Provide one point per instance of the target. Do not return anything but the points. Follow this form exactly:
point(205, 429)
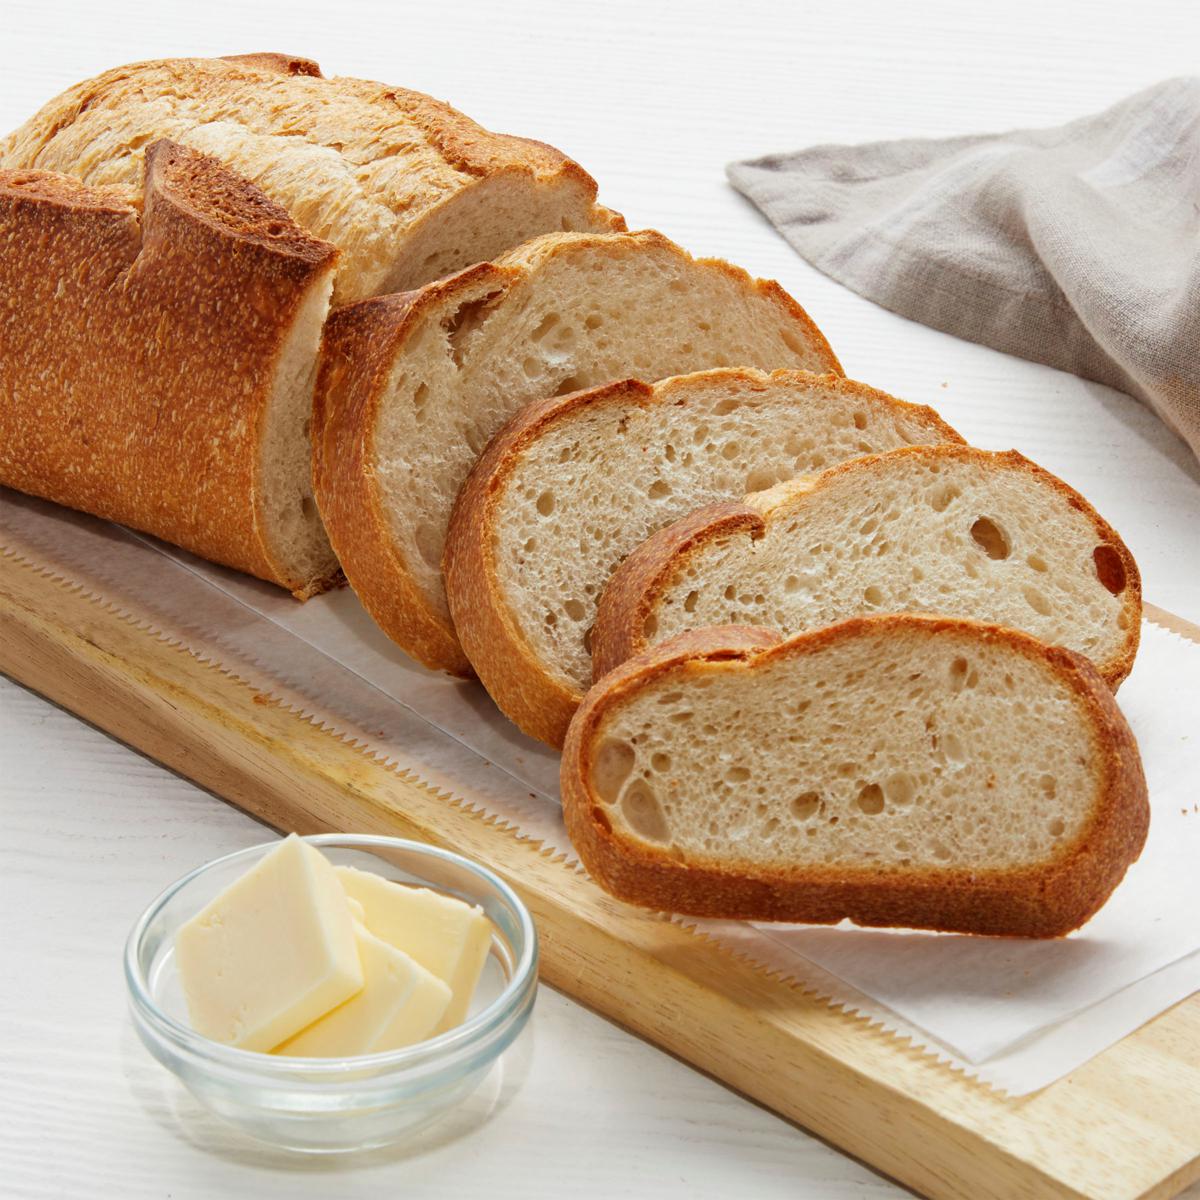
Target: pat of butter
point(272, 953)
point(400, 1003)
point(447, 937)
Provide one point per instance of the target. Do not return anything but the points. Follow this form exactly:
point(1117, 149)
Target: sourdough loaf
point(158, 359)
point(412, 388)
point(405, 186)
point(573, 483)
point(923, 529)
point(900, 770)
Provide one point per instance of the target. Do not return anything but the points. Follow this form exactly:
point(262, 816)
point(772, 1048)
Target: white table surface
point(653, 99)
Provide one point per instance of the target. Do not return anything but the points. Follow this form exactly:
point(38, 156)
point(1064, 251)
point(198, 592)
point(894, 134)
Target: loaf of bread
point(572, 484)
point(941, 529)
point(159, 355)
point(413, 387)
point(406, 187)
point(903, 770)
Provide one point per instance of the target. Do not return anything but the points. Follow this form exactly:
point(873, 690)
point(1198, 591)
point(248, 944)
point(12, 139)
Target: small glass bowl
point(324, 1105)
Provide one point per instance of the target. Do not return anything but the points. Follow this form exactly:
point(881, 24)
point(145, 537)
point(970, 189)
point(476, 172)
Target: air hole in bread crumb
point(568, 385)
point(806, 806)
point(659, 490)
point(940, 850)
point(690, 600)
point(308, 509)
point(1057, 827)
point(731, 592)
point(593, 321)
point(952, 748)
point(614, 761)
point(547, 323)
point(463, 321)
point(1037, 563)
point(958, 674)
point(760, 480)
point(791, 584)
point(869, 526)
point(873, 596)
point(990, 538)
point(1048, 786)
point(669, 453)
point(650, 626)
point(700, 435)
point(680, 717)
point(730, 450)
point(574, 609)
point(661, 762)
point(900, 788)
point(870, 800)
point(737, 774)
point(1036, 601)
point(545, 503)
point(550, 619)
point(1110, 570)
point(532, 367)
point(941, 498)
point(794, 344)
point(644, 814)
point(860, 420)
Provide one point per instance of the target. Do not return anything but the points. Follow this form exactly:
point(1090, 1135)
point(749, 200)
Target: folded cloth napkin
point(1078, 247)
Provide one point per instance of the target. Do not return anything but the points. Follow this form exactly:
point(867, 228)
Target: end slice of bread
point(945, 529)
point(412, 390)
point(159, 359)
point(573, 483)
point(904, 770)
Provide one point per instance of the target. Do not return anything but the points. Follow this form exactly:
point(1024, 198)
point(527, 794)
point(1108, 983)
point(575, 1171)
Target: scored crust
point(409, 188)
point(540, 702)
point(143, 340)
point(363, 343)
point(633, 593)
point(1045, 900)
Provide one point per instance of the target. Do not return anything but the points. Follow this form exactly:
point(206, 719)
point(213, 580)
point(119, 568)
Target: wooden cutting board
point(1125, 1125)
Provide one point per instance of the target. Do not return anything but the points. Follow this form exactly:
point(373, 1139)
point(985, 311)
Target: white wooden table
point(653, 99)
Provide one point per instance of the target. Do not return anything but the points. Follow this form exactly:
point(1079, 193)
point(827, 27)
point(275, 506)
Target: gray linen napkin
point(1078, 247)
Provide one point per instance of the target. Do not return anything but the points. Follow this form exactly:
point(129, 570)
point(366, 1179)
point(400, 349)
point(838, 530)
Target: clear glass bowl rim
point(437, 1054)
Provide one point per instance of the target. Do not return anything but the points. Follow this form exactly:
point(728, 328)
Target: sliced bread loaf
point(413, 387)
point(159, 357)
point(407, 188)
point(902, 770)
point(941, 529)
point(573, 483)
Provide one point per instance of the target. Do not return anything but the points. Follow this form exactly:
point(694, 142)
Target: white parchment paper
point(1014, 1014)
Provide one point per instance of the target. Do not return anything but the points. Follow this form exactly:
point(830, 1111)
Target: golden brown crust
point(633, 593)
point(350, 392)
point(409, 160)
point(140, 349)
point(539, 704)
point(359, 348)
point(1047, 900)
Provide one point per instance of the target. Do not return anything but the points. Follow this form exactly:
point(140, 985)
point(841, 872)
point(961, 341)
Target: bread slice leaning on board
point(412, 388)
point(946, 529)
point(163, 308)
point(159, 355)
point(405, 186)
point(906, 770)
point(573, 483)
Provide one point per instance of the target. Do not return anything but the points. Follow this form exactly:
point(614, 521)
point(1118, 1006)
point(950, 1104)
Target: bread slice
point(907, 770)
point(412, 388)
point(408, 188)
point(942, 529)
point(572, 484)
point(159, 358)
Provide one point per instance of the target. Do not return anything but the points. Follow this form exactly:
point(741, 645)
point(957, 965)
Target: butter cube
point(400, 1003)
point(272, 953)
point(447, 937)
